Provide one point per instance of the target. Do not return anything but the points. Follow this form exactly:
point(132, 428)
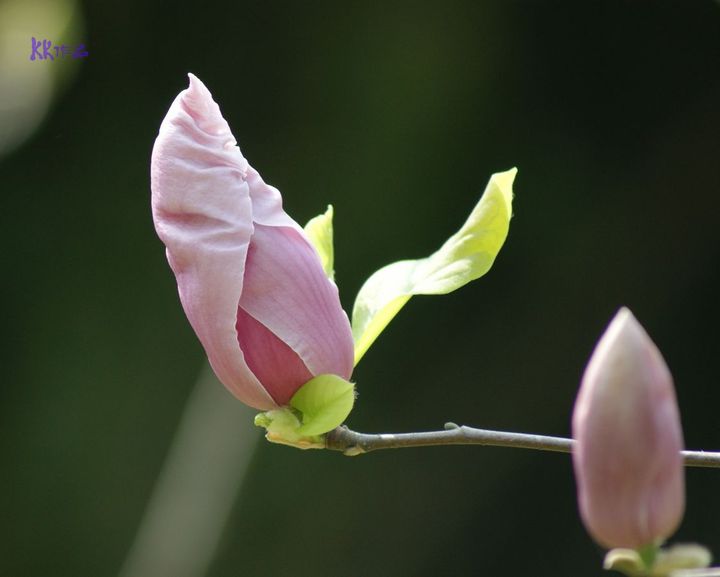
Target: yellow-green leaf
point(465, 256)
point(320, 232)
point(324, 402)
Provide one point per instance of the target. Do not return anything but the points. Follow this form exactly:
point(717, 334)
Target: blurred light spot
point(28, 88)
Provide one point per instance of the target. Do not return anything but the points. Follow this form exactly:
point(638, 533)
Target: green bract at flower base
point(317, 407)
point(320, 232)
point(652, 561)
point(465, 256)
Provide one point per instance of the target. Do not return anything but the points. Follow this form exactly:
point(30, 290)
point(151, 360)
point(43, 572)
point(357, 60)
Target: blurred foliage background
point(397, 113)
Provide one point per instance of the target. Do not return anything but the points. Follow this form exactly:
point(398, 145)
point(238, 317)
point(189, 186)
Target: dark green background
point(397, 113)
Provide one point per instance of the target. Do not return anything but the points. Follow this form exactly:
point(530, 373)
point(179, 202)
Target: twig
point(353, 443)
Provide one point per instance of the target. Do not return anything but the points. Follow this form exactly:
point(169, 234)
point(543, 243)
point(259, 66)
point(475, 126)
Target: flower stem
point(353, 443)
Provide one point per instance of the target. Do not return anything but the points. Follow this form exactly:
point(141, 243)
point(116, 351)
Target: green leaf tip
point(317, 407)
point(464, 257)
point(320, 232)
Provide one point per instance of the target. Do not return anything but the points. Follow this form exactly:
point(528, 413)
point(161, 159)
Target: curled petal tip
point(197, 101)
point(196, 89)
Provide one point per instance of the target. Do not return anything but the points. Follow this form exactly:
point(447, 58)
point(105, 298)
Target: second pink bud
point(627, 455)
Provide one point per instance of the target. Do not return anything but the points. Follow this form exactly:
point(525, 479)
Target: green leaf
point(652, 561)
point(681, 556)
point(324, 402)
point(320, 232)
point(627, 561)
point(282, 426)
point(465, 256)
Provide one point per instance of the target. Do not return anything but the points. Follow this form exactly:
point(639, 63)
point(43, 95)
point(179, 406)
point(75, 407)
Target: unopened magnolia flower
point(627, 456)
point(250, 281)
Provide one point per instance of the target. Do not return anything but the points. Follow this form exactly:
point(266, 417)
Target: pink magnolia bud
point(626, 423)
point(250, 281)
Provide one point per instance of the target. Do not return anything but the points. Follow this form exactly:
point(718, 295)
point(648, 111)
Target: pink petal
point(267, 203)
point(287, 290)
point(276, 365)
point(203, 213)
